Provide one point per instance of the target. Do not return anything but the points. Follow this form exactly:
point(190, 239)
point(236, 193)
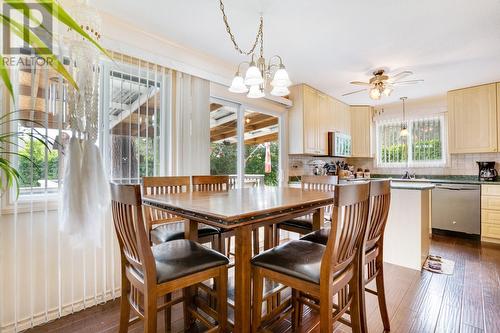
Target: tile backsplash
point(303, 164)
point(458, 164)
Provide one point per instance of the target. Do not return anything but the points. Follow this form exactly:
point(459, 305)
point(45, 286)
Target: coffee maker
point(487, 171)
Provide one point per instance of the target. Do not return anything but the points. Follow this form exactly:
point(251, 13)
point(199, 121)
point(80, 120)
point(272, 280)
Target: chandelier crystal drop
point(260, 74)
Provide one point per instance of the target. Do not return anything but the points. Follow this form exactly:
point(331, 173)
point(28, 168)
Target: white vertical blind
point(43, 277)
point(424, 146)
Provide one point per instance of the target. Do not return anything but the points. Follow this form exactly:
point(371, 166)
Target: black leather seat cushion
point(183, 257)
point(171, 231)
point(319, 236)
point(301, 223)
point(300, 259)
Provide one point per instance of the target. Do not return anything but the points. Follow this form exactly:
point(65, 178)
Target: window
point(257, 147)
point(135, 116)
point(40, 108)
point(423, 147)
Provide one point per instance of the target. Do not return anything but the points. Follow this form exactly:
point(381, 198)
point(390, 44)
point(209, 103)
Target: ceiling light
point(387, 90)
point(375, 93)
point(253, 75)
point(404, 129)
point(281, 78)
point(280, 91)
point(256, 92)
point(259, 72)
point(238, 85)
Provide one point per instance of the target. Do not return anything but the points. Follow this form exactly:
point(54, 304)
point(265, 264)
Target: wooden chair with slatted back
point(304, 225)
point(373, 249)
point(164, 226)
point(210, 183)
point(318, 272)
point(380, 197)
point(150, 272)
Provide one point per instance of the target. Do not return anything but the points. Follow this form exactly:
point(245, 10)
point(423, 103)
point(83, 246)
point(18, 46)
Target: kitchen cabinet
point(473, 120)
point(312, 116)
point(490, 213)
point(361, 131)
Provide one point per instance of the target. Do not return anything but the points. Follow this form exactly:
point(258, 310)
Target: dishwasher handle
point(457, 188)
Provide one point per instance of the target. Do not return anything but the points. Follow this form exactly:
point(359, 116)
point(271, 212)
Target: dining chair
point(316, 272)
point(304, 225)
point(164, 226)
point(373, 268)
point(221, 183)
point(150, 272)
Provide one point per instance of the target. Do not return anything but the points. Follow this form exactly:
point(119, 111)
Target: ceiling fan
point(383, 84)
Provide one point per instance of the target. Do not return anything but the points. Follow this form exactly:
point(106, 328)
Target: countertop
point(440, 179)
point(395, 184)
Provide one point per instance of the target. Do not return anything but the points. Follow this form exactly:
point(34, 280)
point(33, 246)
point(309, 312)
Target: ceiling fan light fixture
point(387, 91)
point(238, 85)
point(375, 93)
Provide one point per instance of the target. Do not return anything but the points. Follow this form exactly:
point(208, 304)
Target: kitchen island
point(407, 233)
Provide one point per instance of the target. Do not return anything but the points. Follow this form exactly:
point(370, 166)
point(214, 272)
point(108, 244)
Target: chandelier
point(258, 72)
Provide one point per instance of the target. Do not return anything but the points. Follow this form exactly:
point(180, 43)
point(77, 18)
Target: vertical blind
point(423, 146)
point(43, 275)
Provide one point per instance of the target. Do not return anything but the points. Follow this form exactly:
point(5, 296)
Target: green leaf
point(59, 13)
point(4, 74)
point(33, 40)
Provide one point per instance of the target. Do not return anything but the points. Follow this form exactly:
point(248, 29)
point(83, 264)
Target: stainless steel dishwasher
point(456, 208)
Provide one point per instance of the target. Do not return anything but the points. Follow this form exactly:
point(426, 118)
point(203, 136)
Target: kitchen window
point(422, 147)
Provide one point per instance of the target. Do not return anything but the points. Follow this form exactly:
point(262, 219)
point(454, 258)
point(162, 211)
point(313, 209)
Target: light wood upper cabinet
point(473, 121)
point(361, 129)
point(311, 121)
point(312, 116)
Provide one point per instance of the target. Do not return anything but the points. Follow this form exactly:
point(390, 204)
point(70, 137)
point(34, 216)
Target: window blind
point(422, 147)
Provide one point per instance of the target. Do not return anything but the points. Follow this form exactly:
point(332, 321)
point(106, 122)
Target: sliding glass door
point(244, 144)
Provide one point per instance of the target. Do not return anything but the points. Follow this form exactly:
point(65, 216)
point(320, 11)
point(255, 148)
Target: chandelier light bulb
point(238, 85)
point(253, 76)
point(280, 91)
point(375, 93)
point(255, 92)
point(281, 78)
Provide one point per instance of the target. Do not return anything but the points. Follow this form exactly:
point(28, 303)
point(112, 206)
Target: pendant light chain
point(233, 39)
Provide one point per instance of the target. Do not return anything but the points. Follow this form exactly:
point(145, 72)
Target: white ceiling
point(328, 43)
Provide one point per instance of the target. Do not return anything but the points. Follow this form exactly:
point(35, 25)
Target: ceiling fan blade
point(359, 83)
point(400, 76)
point(404, 83)
point(354, 92)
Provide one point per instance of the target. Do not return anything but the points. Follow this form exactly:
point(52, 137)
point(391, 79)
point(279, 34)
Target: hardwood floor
point(467, 301)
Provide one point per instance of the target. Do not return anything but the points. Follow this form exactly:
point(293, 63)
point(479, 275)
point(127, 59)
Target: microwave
point(339, 144)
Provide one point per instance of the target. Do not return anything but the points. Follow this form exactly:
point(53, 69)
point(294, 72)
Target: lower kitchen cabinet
point(490, 213)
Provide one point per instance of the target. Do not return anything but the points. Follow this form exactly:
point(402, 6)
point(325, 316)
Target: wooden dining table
point(243, 210)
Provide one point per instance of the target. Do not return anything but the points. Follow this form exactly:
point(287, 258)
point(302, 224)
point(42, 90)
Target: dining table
point(242, 211)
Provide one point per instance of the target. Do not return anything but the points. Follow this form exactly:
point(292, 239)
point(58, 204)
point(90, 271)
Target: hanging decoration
point(85, 192)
